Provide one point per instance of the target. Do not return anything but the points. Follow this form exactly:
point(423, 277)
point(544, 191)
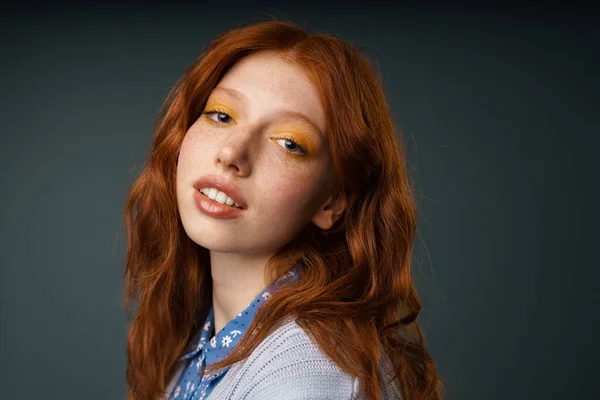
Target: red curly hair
point(355, 277)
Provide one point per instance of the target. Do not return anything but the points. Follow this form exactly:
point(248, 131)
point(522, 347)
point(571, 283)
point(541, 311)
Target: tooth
point(221, 197)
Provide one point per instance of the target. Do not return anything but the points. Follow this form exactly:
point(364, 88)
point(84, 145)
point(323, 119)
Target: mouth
point(215, 209)
point(208, 198)
point(222, 185)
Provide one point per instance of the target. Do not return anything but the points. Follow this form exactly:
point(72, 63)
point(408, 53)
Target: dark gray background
point(500, 112)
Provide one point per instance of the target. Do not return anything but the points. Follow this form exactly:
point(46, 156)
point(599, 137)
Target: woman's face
point(285, 183)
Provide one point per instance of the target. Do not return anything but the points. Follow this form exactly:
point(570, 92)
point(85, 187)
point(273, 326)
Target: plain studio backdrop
point(499, 110)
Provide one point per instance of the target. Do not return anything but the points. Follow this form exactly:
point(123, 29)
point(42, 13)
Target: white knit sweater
point(289, 365)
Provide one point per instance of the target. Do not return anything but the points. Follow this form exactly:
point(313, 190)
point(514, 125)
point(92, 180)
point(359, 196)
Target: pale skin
point(283, 188)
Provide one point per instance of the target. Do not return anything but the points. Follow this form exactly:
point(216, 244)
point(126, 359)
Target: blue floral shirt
point(193, 384)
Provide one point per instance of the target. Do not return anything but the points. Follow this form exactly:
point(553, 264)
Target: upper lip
point(222, 184)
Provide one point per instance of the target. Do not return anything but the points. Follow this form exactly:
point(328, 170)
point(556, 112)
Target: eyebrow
point(231, 92)
point(241, 97)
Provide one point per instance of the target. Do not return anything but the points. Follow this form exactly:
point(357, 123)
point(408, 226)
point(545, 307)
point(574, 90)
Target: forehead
point(264, 83)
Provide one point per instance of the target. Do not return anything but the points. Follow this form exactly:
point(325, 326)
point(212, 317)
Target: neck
point(236, 280)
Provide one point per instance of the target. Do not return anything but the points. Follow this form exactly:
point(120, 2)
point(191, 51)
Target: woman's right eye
point(219, 116)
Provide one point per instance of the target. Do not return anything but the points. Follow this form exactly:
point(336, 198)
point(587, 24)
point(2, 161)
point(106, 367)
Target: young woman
point(270, 234)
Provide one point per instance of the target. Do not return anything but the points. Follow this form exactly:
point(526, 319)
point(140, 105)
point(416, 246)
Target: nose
point(234, 153)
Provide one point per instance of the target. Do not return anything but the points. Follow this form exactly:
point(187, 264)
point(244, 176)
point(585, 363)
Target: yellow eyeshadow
point(295, 132)
point(221, 108)
point(299, 138)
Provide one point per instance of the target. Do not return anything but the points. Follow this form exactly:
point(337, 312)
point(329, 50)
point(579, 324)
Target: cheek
point(187, 151)
point(184, 152)
point(295, 192)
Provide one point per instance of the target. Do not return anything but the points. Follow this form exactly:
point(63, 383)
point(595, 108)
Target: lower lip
point(212, 208)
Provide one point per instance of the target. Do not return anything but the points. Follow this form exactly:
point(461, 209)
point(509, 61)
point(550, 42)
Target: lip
point(214, 209)
point(222, 184)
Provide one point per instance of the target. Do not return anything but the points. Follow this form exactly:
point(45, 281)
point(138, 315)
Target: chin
point(212, 238)
point(218, 246)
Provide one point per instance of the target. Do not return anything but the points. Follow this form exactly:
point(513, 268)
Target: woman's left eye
point(219, 113)
point(295, 146)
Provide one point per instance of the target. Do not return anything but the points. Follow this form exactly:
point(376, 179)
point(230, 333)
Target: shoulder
point(288, 364)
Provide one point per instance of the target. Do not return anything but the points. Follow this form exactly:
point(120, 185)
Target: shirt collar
point(219, 346)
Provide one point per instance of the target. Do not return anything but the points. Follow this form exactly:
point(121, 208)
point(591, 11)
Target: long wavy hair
point(355, 277)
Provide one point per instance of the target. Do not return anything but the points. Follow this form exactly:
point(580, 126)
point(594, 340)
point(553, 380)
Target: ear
point(330, 211)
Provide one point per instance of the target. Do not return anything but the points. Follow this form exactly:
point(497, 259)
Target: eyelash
point(302, 149)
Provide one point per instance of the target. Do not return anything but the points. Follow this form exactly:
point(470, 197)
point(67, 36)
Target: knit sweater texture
point(288, 364)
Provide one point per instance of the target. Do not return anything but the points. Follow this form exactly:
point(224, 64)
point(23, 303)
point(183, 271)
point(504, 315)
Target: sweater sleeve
point(295, 368)
point(306, 380)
